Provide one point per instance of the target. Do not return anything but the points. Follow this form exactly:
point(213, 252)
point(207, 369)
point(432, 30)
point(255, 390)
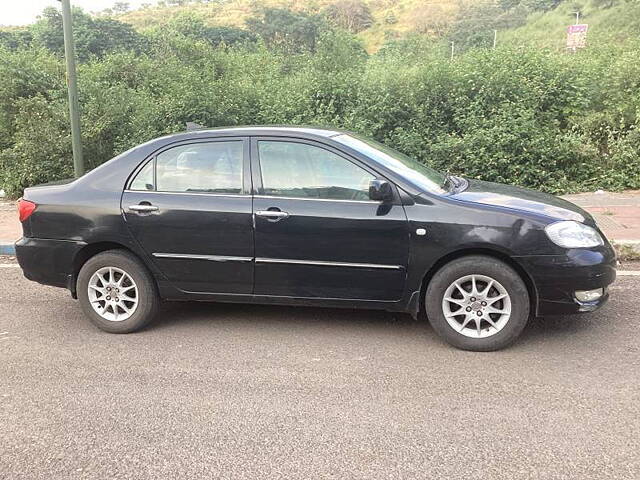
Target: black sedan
point(304, 216)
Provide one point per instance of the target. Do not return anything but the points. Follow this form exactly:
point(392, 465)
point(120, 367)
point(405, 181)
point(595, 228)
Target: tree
point(15, 38)
point(352, 15)
point(121, 7)
point(290, 31)
point(193, 26)
point(111, 34)
point(228, 35)
point(93, 37)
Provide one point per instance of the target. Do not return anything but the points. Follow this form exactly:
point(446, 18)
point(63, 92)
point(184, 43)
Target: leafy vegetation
point(286, 30)
point(93, 37)
point(518, 114)
point(351, 15)
point(519, 22)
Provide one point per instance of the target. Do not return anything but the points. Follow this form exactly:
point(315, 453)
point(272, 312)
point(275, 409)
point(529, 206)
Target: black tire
point(147, 295)
point(478, 265)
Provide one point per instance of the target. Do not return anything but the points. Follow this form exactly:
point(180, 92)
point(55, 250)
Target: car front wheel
point(117, 292)
point(477, 303)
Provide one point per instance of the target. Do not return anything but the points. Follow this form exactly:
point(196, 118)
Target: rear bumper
point(46, 261)
point(558, 277)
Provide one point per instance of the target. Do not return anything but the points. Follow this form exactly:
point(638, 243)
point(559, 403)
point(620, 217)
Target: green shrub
point(41, 150)
point(524, 116)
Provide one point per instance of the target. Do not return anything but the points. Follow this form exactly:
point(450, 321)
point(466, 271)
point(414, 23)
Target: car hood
point(523, 199)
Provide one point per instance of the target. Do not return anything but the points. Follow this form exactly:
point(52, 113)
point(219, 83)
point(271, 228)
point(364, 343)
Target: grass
point(548, 29)
point(392, 18)
point(626, 253)
point(397, 18)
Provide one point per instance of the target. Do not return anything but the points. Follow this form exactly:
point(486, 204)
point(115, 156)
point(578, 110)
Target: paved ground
point(10, 228)
point(224, 391)
point(617, 214)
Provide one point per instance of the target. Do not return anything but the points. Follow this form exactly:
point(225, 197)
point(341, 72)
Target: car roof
point(123, 165)
point(258, 130)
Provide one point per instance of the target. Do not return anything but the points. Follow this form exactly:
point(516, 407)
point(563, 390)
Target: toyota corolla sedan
point(304, 216)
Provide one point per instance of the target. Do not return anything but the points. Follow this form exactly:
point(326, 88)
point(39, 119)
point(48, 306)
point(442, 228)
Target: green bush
point(524, 116)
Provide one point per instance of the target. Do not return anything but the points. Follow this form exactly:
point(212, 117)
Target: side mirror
point(380, 190)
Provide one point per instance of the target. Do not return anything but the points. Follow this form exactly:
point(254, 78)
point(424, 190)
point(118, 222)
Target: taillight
point(25, 209)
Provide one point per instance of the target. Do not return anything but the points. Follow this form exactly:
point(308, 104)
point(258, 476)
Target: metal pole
point(452, 48)
point(495, 38)
point(72, 87)
point(577, 17)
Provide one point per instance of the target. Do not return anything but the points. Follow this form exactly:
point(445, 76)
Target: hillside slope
point(392, 18)
point(615, 20)
point(616, 23)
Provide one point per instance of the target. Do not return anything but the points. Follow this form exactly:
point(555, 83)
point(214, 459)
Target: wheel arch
point(487, 252)
point(92, 249)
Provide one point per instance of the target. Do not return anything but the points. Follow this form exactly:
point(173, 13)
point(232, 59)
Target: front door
point(190, 209)
point(317, 233)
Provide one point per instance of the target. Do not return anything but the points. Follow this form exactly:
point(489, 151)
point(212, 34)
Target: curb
point(7, 248)
point(627, 248)
point(631, 243)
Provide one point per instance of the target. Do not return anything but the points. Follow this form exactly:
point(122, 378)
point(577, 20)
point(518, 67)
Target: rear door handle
point(272, 214)
point(143, 208)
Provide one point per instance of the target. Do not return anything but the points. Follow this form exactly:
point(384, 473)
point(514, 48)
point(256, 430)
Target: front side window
point(417, 173)
point(214, 167)
point(291, 169)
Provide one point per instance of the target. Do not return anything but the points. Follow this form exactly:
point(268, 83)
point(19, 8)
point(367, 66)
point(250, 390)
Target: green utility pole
point(72, 87)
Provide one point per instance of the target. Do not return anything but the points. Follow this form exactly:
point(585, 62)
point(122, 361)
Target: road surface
point(236, 391)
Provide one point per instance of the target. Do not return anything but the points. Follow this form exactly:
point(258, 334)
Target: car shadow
point(196, 313)
point(209, 319)
point(200, 315)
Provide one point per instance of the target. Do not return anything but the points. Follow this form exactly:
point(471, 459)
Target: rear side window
point(291, 169)
point(144, 179)
point(214, 167)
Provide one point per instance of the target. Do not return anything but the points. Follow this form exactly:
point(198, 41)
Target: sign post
point(577, 36)
point(72, 88)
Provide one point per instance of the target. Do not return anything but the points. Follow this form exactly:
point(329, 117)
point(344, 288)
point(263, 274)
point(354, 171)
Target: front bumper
point(557, 277)
point(48, 261)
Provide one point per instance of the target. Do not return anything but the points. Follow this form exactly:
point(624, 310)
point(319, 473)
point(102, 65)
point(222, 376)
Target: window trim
point(311, 199)
point(245, 190)
point(238, 195)
point(258, 185)
point(137, 172)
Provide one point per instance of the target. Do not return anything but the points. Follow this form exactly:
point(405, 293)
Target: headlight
point(572, 234)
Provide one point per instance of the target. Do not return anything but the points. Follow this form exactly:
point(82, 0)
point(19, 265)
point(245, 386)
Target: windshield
point(417, 173)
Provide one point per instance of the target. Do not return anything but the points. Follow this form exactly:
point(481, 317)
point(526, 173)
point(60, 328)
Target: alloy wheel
point(113, 294)
point(476, 306)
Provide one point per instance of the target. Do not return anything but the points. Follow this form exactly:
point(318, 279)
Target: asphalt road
point(233, 391)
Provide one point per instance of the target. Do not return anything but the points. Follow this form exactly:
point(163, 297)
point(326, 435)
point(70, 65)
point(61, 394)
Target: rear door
point(190, 208)
point(317, 233)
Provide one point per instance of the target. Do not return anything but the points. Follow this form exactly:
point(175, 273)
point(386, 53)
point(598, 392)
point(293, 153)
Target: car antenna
point(191, 126)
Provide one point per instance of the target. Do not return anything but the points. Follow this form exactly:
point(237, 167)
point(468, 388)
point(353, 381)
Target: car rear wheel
point(477, 303)
point(117, 292)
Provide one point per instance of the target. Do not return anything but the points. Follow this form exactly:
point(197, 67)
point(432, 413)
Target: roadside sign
point(577, 36)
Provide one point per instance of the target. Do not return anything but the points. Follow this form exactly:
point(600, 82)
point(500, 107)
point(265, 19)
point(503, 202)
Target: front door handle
point(143, 208)
point(273, 215)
